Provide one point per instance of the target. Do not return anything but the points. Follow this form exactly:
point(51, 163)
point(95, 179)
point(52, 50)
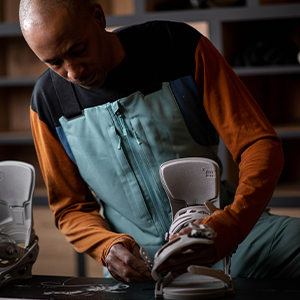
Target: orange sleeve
point(249, 137)
point(76, 212)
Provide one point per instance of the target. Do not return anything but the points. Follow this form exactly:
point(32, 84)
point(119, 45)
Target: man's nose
point(74, 71)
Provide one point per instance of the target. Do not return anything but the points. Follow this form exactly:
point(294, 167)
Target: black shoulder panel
point(44, 101)
point(166, 47)
point(156, 52)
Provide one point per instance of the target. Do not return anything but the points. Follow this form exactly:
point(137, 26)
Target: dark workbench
point(53, 287)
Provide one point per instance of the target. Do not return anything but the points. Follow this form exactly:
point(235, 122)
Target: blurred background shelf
point(266, 70)
point(16, 138)
point(17, 82)
point(249, 34)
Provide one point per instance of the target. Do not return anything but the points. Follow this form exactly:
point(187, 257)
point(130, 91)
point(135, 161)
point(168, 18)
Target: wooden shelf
point(286, 195)
point(267, 70)
point(40, 196)
point(16, 138)
point(17, 82)
point(286, 211)
point(288, 132)
point(10, 29)
point(288, 190)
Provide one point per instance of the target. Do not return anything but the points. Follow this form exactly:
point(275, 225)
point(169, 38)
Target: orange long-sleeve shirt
point(250, 139)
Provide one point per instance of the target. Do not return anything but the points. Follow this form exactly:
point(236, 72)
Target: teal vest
point(119, 147)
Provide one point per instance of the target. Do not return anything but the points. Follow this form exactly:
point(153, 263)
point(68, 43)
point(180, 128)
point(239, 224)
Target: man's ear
point(98, 13)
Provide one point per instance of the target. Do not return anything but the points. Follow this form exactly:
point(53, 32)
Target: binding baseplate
point(193, 189)
point(18, 241)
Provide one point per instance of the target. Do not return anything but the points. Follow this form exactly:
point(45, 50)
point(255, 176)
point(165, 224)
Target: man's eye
point(78, 52)
point(56, 63)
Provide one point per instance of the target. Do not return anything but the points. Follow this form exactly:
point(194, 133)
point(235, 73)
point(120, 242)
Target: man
point(113, 106)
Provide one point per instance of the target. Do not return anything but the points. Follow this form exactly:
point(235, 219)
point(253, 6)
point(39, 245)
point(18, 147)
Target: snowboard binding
point(18, 241)
point(193, 189)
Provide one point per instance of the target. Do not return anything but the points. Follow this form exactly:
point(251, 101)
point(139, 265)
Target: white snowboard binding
point(18, 242)
point(193, 188)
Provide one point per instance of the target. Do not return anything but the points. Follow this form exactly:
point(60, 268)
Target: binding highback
point(18, 241)
point(189, 184)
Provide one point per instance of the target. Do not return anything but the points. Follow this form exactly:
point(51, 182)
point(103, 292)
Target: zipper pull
point(122, 123)
point(119, 142)
point(136, 137)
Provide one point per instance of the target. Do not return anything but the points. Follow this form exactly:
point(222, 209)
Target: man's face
point(75, 47)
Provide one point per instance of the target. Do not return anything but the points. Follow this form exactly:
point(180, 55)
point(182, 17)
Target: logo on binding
point(210, 174)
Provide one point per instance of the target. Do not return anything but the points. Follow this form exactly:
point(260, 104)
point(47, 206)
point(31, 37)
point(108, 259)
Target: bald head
point(39, 12)
point(70, 37)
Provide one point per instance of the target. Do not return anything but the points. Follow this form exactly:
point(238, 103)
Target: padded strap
point(168, 249)
point(187, 215)
point(67, 97)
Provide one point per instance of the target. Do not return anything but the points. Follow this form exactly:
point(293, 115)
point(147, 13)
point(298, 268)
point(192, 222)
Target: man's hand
point(125, 266)
point(198, 254)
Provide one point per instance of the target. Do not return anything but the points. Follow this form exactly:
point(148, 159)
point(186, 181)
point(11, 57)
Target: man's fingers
point(134, 261)
point(126, 266)
point(142, 266)
point(184, 230)
point(122, 273)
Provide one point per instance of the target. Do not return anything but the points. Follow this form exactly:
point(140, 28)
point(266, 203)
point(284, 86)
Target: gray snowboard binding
point(18, 241)
point(193, 188)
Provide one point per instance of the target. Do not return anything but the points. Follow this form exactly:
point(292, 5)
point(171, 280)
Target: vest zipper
point(141, 168)
point(122, 123)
